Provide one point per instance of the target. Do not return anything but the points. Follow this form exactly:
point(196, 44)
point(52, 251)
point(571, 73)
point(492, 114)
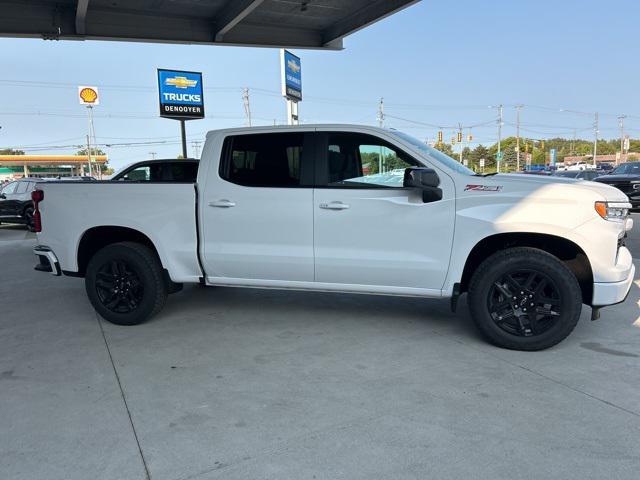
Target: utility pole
point(247, 107)
point(196, 148)
point(518, 107)
point(595, 141)
point(460, 140)
point(499, 156)
point(380, 124)
point(380, 115)
point(621, 123)
point(153, 155)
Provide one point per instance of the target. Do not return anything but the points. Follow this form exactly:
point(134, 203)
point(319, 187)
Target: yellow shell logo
point(88, 95)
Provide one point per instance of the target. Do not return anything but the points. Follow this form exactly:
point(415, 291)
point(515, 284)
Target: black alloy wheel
point(125, 283)
point(524, 298)
point(524, 303)
point(118, 286)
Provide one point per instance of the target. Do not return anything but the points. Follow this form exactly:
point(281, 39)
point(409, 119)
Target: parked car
point(168, 170)
point(626, 178)
point(293, 208)
point(578, 174)
point(16, 205)
point(579, 166)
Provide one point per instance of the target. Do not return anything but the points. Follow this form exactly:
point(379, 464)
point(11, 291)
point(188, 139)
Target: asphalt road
point(249, 384)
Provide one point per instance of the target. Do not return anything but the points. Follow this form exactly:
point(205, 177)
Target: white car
point(292, 208)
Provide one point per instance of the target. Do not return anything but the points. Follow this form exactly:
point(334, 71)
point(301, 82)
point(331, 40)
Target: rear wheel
point(125, 284)
point(28, 216)
point(524, 299)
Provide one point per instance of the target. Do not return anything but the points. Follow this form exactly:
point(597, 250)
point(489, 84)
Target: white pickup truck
point(345, 208)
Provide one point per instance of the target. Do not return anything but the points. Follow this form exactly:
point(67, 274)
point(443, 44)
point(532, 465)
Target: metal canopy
point(262, 23)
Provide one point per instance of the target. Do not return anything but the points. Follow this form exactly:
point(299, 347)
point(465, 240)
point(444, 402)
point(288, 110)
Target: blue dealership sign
point(552, 156)
point(291, 69)
point(181, 94)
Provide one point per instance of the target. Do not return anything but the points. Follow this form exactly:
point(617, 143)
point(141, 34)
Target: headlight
point(612, 211)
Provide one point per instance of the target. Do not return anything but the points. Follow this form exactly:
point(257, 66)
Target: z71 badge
point(483, 188)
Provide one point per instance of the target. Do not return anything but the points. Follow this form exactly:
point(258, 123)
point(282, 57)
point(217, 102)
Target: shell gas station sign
point(88, 95)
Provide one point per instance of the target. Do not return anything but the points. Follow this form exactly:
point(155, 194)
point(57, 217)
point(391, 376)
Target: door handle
point(334, 206)
point(222, 203)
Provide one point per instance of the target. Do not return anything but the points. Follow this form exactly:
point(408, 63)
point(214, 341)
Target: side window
point(263, 160)
point(10, 188)
point(358, 160)
point(144, 173)
point(22, 187)
point(184, 171)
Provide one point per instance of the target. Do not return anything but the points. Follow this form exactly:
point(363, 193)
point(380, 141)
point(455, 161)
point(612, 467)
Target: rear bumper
point(47, 260)
point(610, 293)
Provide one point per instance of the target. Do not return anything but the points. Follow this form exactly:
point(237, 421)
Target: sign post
point(89, 96)
point(181, 98)
point(291, 81)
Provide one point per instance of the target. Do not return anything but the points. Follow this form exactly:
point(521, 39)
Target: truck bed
point(165, 212)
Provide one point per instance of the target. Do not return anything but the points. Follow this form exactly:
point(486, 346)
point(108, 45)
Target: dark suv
point(625, 177)
point(15, 202)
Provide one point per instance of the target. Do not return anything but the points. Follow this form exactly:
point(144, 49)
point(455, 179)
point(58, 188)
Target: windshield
point(627, 168)
point(433, 154)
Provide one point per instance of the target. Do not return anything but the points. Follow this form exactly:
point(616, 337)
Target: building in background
point(20, 166)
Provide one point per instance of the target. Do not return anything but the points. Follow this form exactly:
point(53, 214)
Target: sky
point(437, 64)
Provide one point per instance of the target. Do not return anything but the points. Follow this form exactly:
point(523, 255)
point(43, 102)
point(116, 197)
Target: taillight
point(37, 196)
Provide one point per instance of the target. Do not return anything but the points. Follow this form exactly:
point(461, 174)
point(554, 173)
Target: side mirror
point(425, 179)
point(3, 196)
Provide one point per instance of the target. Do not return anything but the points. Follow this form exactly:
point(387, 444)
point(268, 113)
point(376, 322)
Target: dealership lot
point(236, 384)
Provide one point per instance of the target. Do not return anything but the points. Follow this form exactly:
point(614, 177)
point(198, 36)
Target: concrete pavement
point(256, 384)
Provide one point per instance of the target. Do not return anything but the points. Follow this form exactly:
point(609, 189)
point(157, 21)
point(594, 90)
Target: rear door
point(369, 230)
point(257, 213)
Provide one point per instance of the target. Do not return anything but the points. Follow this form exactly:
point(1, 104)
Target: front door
point(257, 216)
point(369, 230)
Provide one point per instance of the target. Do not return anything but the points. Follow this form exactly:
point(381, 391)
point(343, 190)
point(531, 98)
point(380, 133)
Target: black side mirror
point(3, 196)
point(425, 179)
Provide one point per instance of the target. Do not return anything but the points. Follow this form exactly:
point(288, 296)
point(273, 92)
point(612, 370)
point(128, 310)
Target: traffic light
point(542, 144)
point(453, 140)
point(459, 137)
point(439, 136)
point(469, 138)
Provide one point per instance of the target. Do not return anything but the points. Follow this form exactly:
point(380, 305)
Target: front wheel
point(125, 284)
point(524, 299)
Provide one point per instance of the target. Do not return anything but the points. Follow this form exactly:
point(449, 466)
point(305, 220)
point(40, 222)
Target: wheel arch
point(565, 250)
point(96, 238)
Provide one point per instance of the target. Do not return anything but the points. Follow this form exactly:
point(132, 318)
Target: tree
point(104, 167)
point(445, 148)
point(94, 152)
point(11, 151)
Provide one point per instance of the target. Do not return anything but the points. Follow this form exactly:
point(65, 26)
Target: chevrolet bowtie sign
point(180, 94)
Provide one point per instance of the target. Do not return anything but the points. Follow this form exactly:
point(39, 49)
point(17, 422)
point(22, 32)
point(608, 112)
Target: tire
point(28, 216)
point(125, 284)
point(508, 284)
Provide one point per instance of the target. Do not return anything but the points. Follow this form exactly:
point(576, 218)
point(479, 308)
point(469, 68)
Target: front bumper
point(48, 262)
point(609, 293)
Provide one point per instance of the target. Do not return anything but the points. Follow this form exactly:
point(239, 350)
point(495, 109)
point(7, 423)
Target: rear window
point(184, 171)
point(263, 160)
point(22, 187)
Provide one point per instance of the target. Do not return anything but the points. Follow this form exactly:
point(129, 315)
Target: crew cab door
point(257, 214)
point(368, 229)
